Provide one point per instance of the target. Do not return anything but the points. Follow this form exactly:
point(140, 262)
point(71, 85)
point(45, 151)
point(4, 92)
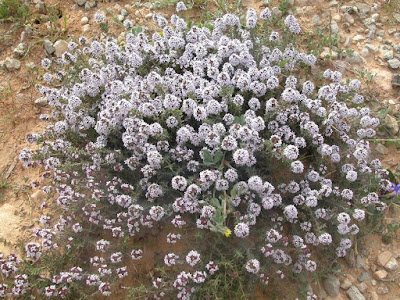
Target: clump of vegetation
point(11, 10)
point(209, 138)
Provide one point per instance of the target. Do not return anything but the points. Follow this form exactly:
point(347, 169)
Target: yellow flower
point(228, 232)
point(160, 32)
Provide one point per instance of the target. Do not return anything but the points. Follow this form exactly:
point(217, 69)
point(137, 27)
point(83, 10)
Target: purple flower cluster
point(161, 128)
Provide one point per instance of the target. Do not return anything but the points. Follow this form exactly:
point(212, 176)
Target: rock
point(266, 2)
point(373, 296)
point(362, 287)
point(397, 17)
point(394, 63)
point(382, 290)
point(354, 293)
point(12, 64)
point(387, 54)
point(347, 9)
point(80, 2)
point(360, 263)
point(391, 122)
point(316, 20)
point(90, 4)
point(120, 18)
point(392, 30)
point(124, 12)
point(42, 101)
point(20, 50)
point(365, 52)
point(38, 196)
point(328, 53)
point(49, 47)
point(61, 46)
point(371, 47)
point(350, 258)
point(381, 274)
point(383, 258)
point(348, 42)
point(85, 28)
point(392, 265)
point(348, 18)
point(332, 285)
point(363, 8)
point(380, 32)
point(334, 27)
point(346, 283)
point(276, 12)
point(41, 8)
point(364, 276)
point(84, 20)
point(148, 16)
point(358, 38)
point(382, 149)
point(31, 65)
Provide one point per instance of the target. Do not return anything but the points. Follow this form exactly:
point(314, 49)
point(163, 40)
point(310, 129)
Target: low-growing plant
point(207, 141)
point(12, 10)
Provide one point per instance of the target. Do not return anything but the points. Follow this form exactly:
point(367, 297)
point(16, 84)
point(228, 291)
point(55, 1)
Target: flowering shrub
point(213, 128)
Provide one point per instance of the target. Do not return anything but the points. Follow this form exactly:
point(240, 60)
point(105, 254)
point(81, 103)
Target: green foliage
point(11, 10)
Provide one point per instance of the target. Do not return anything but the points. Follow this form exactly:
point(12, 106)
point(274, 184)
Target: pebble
point(358, 38)
point(391, 122)
point(382, 149)
point(61, 46)
point(42, 101)
point(80, 2)
point(49, 47)
point(328, 53)
point(148, 16)
point(392, 265)
point(41, 8)
point(86, 28)
point(362, 287)
point(396, 80)
point(387, 54)
point(316, 20)
point(350, 258)
point(383, 258)
point(39, 195)
point(394, 63)
point(364, 52)
point(354, 293)
point(276, 12)
point(364, 276)
point(392, 30)
point(381, 274)
point(30, 65)
point(84, 20)
point(12, 64)
point(363, 8)
point(382, 290)
point(124, 12)
point(120, 18)
point(347, 9)
point(348, 18)
point(346, 284)
point(20, 50)
point(331, 285)
point(334, 27)
point(397, 17)
point(371, 47)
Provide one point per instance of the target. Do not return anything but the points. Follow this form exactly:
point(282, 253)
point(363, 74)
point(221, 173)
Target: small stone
point(381, 274)
point(388, 54)
point(348, 42)
point(332, 285)
point(365, 52)
point(382, 149)
point(350, 258)
point(392, 30)
point(42, 101)
point(383, 258)
point(75, 7)
point(49, 47)
point(394, 63)
point(346, 283)
point(20, 50)
point(391, 122)
point(30, 65)
point(363, 8)
point(148, 16)
point(374, 7)
point(39, 195)
point(41, 8)
point(276, 12)
point(84, 20)
point(328, 53)
point(358, 38)
point(333, 3)
point(61, 46)
point(392, 265)
point(382, 290)
point(80, 2)
point(124, 12)
point(397, 17)
point(348, 18)
point(12, 64)
point(364, 276)
point(347, 9)
point(120, 18)
point(354, 58)
point(266, 2)
point(373, 296)
point(334, 27)
point(316, 20)
point(362, 287)
point(371, 47)
point(354, 293)
point(85, 28)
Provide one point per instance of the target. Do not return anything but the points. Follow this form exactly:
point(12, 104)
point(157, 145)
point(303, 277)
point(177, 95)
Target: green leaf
point(214, 202)
point(239, 120)
point(392, 177)
point(218, 156)
point(207, 158)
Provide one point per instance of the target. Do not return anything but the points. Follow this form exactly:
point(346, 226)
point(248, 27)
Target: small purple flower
point(395, 188)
